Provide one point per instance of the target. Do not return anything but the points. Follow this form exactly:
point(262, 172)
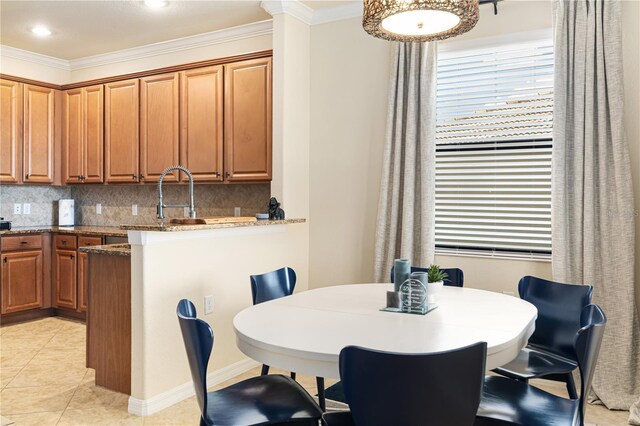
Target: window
point(493, 149)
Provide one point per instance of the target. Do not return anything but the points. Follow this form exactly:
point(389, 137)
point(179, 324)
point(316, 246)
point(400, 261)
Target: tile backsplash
point(117, 201)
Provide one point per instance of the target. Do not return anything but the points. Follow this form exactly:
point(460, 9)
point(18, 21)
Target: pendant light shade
point(419, 20)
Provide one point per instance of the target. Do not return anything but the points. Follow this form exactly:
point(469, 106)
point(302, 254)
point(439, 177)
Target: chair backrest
point(587, 348)
point(559, 309)
point(455, 276)
point(272, 285)
point(198, 342)
point(384, 388)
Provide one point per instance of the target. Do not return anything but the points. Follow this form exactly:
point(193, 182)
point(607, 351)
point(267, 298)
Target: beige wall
point(33, 71)
point(631, 64)
point(349, 81)
point(349, 73)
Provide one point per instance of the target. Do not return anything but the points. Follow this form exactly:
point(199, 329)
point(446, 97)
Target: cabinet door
point(247, 120)
point(83, 259)
point(93, 112)
point(121, 131)
point(21, 281)
point(38, 134)
point(159, 126)
point(65, 279)
point(10, 132)
point(201, 103)
point(73, 146)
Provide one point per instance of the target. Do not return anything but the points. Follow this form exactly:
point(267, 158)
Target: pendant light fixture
point(419, 20)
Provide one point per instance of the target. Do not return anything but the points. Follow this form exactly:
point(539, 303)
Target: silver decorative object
point(419, 20)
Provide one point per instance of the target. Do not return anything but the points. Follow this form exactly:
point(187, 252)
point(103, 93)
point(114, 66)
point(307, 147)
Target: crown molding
point(289, 7)
point(35, 58)
point(337, 13)
point(227, 35)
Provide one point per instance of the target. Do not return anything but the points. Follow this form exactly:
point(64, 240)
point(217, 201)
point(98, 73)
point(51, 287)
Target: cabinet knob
point(5, 260)
point(26, 177)
point(227, 174)
point(134, 177)
point(71, 256)
point(142, 177)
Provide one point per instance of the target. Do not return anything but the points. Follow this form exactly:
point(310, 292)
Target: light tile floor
point(44, 382)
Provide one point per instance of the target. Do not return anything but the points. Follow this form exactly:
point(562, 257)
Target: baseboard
point(146, 407)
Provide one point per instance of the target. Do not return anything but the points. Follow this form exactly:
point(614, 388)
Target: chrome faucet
point(160, 208)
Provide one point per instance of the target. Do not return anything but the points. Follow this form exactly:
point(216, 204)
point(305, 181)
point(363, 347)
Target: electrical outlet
point(26, 208)
point(509, 293)
point(98, 208)
point(236, 211)
point(17, 208)
point(185, 212)
point(134, 210)
point(208, 304)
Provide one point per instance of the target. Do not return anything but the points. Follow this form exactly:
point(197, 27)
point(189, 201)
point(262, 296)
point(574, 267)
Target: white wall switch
point(134, 210)
point(236, 211)
point(208, 304)
point(26, 208)
point(98, 208)
point(17, 208)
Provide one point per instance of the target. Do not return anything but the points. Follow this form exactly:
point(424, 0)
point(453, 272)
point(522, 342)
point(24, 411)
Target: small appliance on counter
point(5, 225)
point(66, 209)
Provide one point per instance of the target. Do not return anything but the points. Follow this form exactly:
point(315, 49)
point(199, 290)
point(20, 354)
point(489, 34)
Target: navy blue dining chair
point(455, 276)
point(513, 402)
point(273, 285)
point(549, 353)
point(262, 400)
point(434, 389)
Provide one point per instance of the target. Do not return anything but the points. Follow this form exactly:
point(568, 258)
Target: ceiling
point(84, 28)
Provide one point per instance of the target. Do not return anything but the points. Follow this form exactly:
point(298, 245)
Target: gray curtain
point(593, 217)
point(406, 207)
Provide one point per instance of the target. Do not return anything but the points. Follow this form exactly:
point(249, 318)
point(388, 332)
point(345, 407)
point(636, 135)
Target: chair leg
point(265, 370)
point(293, 375)
point(571, 386)
point(321, 400)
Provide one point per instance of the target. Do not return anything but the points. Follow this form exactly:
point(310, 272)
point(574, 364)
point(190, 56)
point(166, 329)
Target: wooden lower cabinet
point(83, 259)
point(65, 279)
point(21, 281)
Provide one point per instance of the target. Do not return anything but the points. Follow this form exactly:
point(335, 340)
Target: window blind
point(493, 148)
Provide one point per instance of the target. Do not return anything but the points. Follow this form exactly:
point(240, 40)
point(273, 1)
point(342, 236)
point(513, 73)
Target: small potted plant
point(436, 279)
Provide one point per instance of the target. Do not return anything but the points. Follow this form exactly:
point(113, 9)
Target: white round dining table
point(306, 331)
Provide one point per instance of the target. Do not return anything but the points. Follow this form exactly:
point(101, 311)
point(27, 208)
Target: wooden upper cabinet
point(21, 281)
point(10, 131)
point(73, 146)
point(93, 131)
point(39, 137)
point(201, 122)
point(121, 131)
point(247, 120)
point(159, 126)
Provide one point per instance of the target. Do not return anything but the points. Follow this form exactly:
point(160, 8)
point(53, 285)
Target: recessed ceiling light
point(155, 4)
point(41, 31)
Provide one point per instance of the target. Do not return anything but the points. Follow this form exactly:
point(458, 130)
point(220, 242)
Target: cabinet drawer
point(21, 242)
point(89, 241)
point(66, 242)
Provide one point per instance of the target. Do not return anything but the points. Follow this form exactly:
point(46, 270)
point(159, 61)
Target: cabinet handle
point(142, 177)
point(5, 260)
point(26, 177)
point(216, 174)
point(71, 256)
point(24, 242)
point(227, 174)
point(64, 242)
point(134, 177)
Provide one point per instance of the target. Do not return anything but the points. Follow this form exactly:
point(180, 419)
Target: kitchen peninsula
point(168, 263)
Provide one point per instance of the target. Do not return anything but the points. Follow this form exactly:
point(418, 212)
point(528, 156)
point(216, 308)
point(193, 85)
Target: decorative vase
point(401, 272)
point(432, 290)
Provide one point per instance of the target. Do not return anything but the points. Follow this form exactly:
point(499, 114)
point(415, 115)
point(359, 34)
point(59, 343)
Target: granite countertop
point(110, 249)
point(109, 231)
point(171, 227)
